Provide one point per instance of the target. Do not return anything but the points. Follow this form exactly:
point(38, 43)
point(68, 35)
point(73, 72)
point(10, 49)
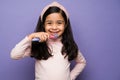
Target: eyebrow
point(48, 21)
point(61, 20)
point(57, 20)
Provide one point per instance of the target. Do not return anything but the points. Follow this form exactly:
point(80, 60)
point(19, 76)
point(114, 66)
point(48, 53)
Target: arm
point(22, 49)
point(80, 64)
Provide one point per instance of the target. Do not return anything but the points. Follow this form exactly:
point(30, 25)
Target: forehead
point(54, 16)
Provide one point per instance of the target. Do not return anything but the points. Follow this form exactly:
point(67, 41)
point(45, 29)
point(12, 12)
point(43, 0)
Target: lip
point(54, 32)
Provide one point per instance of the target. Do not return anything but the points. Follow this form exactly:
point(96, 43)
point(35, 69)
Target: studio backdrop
point(96, 29)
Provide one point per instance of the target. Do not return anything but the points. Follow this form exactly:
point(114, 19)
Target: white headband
point(54, 4)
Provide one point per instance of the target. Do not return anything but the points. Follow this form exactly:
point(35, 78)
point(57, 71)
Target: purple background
point(96, 28)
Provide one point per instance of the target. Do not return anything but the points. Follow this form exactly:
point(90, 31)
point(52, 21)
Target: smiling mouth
point(54, 32)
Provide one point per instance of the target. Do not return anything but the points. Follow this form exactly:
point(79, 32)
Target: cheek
point(47, 28)
point(62, 28)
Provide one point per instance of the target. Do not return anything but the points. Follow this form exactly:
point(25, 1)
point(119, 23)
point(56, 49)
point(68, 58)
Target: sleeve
point(80, 64)
point(22, 49)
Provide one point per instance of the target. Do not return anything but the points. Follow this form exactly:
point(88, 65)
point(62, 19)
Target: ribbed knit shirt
point(56, 67)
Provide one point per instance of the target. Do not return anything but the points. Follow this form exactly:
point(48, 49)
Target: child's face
point(54, 24)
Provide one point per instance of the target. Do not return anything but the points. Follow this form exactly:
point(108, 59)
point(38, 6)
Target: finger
point(47, 35)
point(43, 37)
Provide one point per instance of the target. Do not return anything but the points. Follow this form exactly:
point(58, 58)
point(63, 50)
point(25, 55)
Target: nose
point(54, 26)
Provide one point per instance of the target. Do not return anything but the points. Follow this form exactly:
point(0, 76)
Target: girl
point(52, 56)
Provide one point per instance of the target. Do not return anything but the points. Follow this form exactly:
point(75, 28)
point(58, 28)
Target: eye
point(60, 22)
point(49, 23)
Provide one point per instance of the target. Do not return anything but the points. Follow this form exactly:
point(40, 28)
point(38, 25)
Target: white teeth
point(54, 31)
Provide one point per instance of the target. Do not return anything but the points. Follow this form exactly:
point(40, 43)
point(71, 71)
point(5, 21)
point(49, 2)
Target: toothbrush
point(53, 36)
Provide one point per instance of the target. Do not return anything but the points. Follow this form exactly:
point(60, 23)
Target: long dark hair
point(41, 51)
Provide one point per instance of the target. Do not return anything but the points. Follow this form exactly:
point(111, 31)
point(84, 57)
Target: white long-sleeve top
point(54, 68)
